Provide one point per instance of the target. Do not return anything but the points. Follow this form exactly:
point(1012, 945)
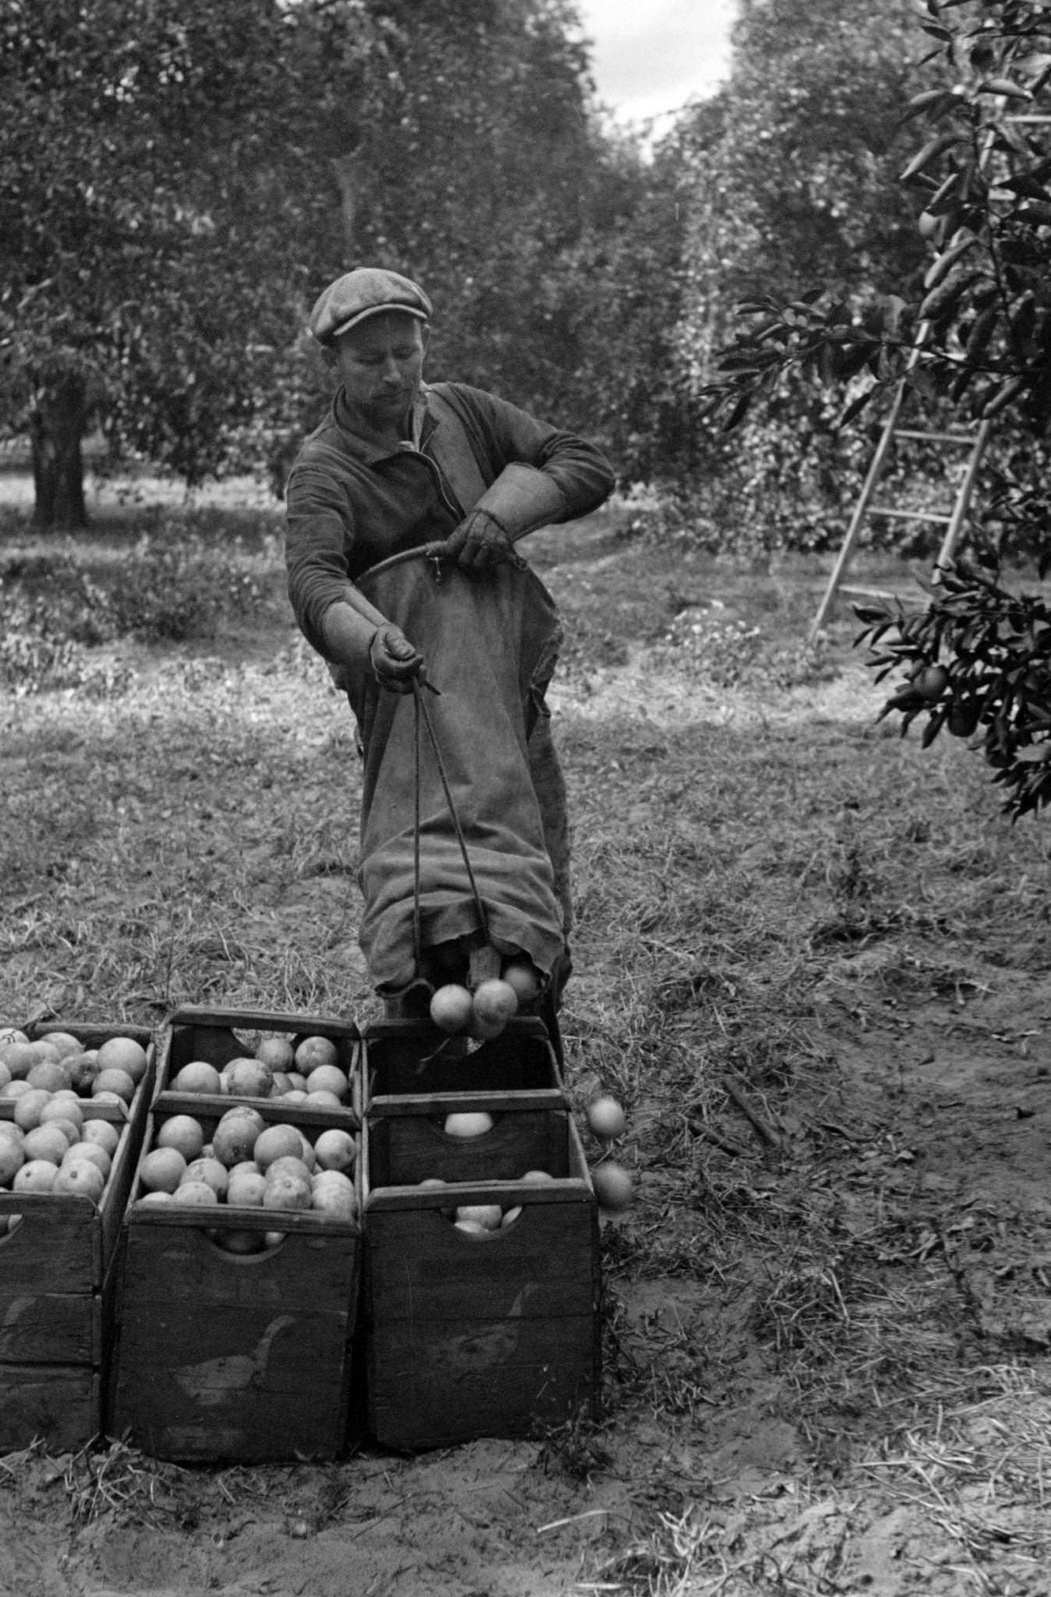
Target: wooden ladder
point(953, 519)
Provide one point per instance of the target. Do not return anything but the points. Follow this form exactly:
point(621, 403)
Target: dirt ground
point(828, 1313)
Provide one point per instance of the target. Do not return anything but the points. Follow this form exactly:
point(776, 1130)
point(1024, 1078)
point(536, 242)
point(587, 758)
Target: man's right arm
point(333, 615)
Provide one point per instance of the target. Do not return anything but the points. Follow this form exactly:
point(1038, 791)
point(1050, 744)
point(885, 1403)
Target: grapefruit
point(494, 1003)
point(487, 1215)
point(64, 1043)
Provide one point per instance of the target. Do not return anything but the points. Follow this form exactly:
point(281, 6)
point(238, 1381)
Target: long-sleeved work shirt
point(352, 503)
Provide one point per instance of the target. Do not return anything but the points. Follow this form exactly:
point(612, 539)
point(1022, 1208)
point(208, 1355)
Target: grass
point(781, 909)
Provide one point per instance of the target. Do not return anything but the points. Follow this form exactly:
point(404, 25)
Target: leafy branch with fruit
point(972, 342)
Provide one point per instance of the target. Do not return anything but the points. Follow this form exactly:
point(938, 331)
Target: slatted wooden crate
point(407, 1057)
point(218, 1035)
point(57, 1274)
point(230, 1356)
point(469, 1336)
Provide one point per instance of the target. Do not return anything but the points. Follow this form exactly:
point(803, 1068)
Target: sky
point(649, 57)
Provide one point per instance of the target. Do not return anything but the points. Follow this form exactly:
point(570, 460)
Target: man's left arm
point(546, 475)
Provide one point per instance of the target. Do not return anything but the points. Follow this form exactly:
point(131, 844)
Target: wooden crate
point(218, 1035)
point(407, 1057)
point(57, 1274)
point(471, 1336)
point(224, 1357)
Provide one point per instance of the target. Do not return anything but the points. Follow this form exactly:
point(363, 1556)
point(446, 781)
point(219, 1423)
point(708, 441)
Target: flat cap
point(367, 291)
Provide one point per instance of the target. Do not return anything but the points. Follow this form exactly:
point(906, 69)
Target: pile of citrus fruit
point(249, 1163)
point(307, 1072)
point(49, 1140)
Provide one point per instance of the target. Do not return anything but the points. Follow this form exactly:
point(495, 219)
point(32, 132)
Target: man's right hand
point(395, 662)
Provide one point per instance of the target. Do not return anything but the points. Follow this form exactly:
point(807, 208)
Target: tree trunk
point(57, 429)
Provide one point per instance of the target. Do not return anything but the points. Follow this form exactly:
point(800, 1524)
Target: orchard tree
point(786, 177)
point(165, 179)
point(974, 336)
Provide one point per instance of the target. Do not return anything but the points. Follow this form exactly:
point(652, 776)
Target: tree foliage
point(180, 179)
point(973, 340)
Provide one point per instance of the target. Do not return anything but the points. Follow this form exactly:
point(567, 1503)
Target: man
point(401, 469)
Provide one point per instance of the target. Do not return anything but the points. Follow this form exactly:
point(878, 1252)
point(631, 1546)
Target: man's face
point(379, 364)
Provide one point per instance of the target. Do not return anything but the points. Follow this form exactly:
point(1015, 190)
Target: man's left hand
point(480, 542)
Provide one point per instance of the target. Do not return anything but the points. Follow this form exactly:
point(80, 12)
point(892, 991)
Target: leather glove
point(394, 660)
point(480, 542)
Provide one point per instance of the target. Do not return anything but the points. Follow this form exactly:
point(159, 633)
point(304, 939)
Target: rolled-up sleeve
point(582, 472)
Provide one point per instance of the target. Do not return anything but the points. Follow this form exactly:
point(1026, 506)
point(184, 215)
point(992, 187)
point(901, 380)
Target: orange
point(613, 1186)
point(63, 1106)
point(233, 1139)
point(209, 1170)
point(289, 1165)
point(336, 1150)
point(50, 1074)
point(123, 1053)
point(198, 1193)
point(328, 1078)
point(333, 1196)
point(197, 1076)
point(161, 1170)
point(277, 1052)
point(104, 1132)
point(314, 1051)
point(82, 1178)
point(322, 1098)
point(12, 1159)
point(285, 1190)
point(606, 1117)
point(36, 1175)
point(88, 1150)
point(520, 974)
point(63, 1042)
point(246, 1188)
point(182, 1132)
point(28, 1107)
point(451, 1007)
point(70, 1129)
point(493, 1005)
point(46, 1142)
point(247, 1078)
point(111, 1079)
point(275, 1141)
